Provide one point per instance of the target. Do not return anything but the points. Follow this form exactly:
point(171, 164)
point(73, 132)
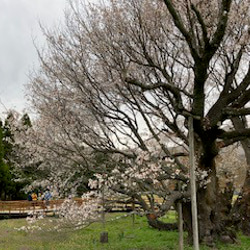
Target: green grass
point(122, 235)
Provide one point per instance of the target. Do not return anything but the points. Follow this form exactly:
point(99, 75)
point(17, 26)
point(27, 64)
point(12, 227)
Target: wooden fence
point(23, 207)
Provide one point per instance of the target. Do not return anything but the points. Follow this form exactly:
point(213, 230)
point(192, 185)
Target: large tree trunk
point(241, 211)
point(242, 207)
point(206, 202)
point(213, 213)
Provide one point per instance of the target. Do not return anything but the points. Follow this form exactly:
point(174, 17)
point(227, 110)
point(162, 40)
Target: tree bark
point(241, 211)
point(213, 214)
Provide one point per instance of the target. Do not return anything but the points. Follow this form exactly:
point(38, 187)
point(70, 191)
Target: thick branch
point(236, 135)
point(171, 199)
point(236, 111)
point(240, 89)
point(226, 97)
point(170, 87)
point(222, 24)
point(241, 123)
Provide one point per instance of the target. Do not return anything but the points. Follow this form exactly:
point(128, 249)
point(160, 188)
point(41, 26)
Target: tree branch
point(203, 25)
point(179, 24)
point(221, 27)
point(236, 135)
point(236, 111)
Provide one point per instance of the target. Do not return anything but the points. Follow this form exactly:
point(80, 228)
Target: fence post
point(133, 211)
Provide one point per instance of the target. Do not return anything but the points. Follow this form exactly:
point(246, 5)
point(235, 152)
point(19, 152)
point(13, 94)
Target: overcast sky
point(19, 26)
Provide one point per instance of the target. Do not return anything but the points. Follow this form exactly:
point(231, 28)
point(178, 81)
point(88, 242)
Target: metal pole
point(193, 185)
point(180, 222)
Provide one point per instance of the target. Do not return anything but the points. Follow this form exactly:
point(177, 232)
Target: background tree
point(4, 171)
point(11, 184)
point(44, 158)
point(122, 78)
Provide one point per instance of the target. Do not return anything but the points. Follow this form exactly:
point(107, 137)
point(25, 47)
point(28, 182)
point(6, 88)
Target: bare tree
point(126, 75)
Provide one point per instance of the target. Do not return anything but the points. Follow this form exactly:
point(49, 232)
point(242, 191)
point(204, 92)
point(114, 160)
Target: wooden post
point(133, 212)
point(180, 222)
point(193, 184)
point(103, 210)
point(104, 237)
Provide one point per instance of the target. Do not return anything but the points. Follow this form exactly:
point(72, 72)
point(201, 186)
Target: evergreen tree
point(11, 181)
point(5, 177)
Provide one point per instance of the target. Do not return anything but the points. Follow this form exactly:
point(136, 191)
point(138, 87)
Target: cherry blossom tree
point(45, 160)
point(123, 77)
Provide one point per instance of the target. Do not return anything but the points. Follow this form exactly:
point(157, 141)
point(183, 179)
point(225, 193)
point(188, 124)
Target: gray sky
point(19, 26)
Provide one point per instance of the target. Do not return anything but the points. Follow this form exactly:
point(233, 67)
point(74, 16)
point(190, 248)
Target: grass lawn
point(122, 235)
